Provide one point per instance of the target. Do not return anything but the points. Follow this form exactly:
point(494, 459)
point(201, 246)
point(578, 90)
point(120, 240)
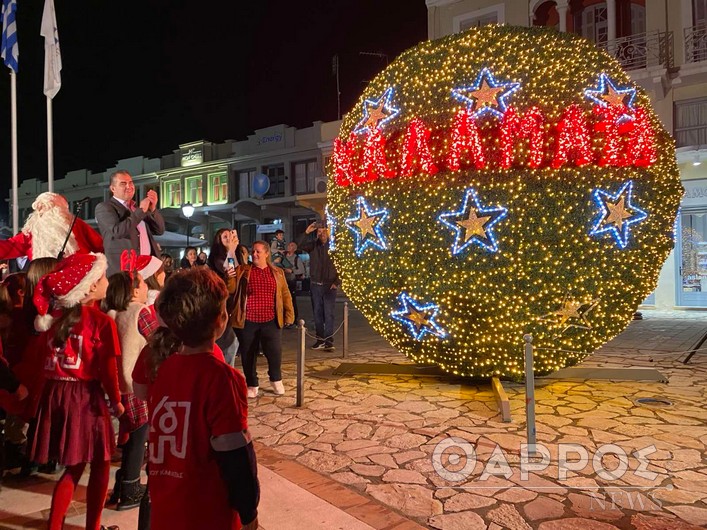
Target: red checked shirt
point(260, 306)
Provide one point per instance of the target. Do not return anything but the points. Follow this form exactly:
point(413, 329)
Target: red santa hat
point(66, 286)
point(147, 265)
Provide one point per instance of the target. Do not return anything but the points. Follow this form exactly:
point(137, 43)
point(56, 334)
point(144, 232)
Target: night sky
point(141, 77)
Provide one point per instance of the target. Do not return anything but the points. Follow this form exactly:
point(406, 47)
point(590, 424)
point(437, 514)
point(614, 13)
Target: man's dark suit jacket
point(118, 226)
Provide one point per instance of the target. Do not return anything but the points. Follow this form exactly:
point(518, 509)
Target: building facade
point(222, 181)
point(663, 46)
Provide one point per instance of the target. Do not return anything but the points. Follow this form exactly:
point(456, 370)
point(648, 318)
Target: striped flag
point(52, 53)
point(10, 50)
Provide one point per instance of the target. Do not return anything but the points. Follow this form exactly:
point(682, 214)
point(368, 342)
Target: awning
point(176, 240)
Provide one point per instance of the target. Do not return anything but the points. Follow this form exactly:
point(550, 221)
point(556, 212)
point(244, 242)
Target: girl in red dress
point(73, 419)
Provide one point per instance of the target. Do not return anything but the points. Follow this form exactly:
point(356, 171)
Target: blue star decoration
point(473, 223)
point(486, 95)
point(367, 227)
point(607, 94)
point(419, 318)
point(331, 224)
point(377, 112)
point(618, 213)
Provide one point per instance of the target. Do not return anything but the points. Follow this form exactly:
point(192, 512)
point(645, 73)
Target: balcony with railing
point(642, 50)
point(696, 44)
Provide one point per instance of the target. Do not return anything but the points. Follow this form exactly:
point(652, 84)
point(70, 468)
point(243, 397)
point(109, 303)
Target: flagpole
point(15, 199)
point(50, 145)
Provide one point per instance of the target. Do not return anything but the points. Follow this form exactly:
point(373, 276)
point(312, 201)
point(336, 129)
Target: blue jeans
point(323, 301)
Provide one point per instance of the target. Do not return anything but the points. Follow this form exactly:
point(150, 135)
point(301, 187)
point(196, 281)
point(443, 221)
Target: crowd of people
point(104, 326)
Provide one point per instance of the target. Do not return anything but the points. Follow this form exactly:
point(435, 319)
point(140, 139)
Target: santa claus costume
point(73, 419)
point(45, 231)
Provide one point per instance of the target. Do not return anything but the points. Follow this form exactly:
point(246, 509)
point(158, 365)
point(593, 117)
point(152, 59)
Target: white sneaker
point(253, 392)
point(278, 387)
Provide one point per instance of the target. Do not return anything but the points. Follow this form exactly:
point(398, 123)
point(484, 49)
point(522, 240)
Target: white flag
point(52, 53)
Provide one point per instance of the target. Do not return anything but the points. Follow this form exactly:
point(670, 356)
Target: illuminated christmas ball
point(500, 182)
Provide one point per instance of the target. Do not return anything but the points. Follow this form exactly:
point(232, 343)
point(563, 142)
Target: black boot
point(143, 518)
point(115, 496)
point(131, 493)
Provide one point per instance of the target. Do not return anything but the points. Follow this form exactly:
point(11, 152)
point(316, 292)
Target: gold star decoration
point(572, 313)
point(474, 225)
point(367, 224)
point(375, 116)
point(486, 96)
point(617, 213)
point(419, 319)
point(613, 97)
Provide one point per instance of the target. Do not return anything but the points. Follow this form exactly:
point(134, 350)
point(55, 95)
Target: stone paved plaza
point(359, 454)
point(377, 435)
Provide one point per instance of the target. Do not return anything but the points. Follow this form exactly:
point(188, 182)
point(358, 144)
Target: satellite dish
point(261, 184)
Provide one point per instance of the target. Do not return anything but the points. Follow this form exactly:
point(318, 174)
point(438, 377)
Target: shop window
point(194, 192)
point(171, 194)
point(218, 188)
point(691, 122)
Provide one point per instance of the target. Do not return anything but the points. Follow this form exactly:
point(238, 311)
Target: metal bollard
point(345, 348)
point(530, 393)
point(300, 364)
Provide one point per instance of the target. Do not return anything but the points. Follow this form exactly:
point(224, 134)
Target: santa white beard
point(48, 230)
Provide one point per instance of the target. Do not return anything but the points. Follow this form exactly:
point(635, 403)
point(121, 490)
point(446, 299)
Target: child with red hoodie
point(73, 419)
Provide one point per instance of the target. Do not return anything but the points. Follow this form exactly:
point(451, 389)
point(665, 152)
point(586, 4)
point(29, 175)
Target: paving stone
point(384, 460)
point(402, 458)
point(358, 431)
point(367, 470)
point(507, 516)
point(353, 445)
point(691, 514)
point(406, 441)
point(576, 523)
point(516, 495)
point(457, 521)
point(594, 506)
point(415, 406)
point(404, 476)
point(543, 508)
point(291, 438)
point(644, 522)
point(317, 446)
point(291, 449)
point(467, 501)
point(324, 462)
point(411, 499)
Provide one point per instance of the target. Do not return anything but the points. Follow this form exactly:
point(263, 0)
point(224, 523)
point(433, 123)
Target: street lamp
point(187, 211)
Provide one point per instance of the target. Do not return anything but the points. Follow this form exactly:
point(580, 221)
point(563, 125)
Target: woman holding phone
point(222, 260)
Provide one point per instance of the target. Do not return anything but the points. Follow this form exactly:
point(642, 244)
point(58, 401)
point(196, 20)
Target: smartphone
point(231, 263)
